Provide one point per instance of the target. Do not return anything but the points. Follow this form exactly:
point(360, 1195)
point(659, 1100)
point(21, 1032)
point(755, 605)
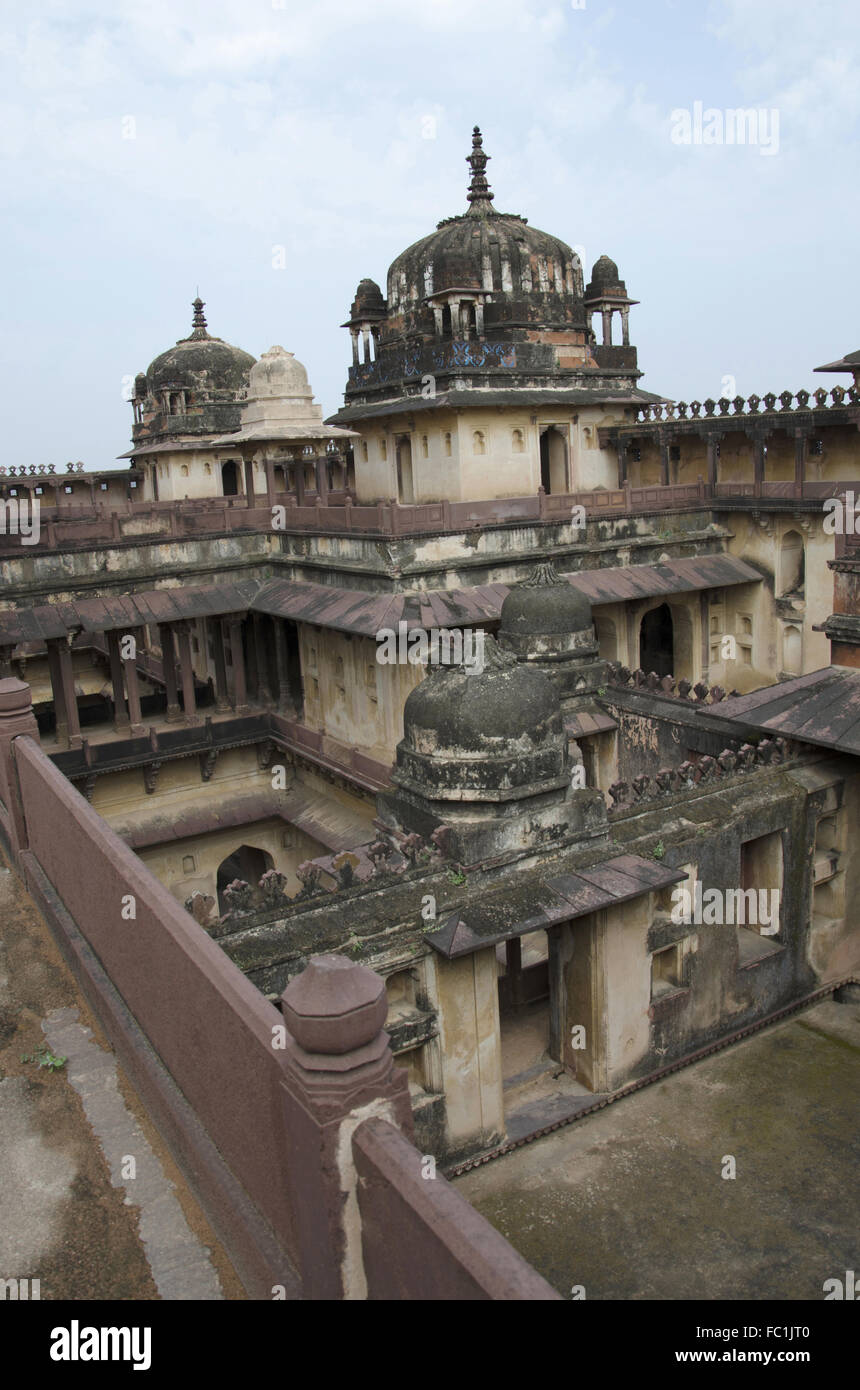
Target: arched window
point(479, 443)
point(518, 443)
point(791, 565)
point(184, 470)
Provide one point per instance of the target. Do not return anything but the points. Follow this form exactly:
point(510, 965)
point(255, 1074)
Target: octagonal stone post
point(339, 1072)
point(16, 718)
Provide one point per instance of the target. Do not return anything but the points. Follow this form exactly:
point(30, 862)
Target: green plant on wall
point(659, 850)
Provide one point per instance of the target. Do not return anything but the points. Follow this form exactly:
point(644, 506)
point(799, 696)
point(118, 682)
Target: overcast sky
point(155, 146)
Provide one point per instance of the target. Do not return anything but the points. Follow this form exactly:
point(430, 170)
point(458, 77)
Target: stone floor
point(630, 1203)
point(75, 1214)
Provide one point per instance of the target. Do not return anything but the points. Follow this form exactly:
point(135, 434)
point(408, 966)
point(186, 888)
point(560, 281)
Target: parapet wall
point(257, 1103)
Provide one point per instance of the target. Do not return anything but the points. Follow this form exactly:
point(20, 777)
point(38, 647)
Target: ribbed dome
point(200, 362)
point(485, 249)
point(545, 606)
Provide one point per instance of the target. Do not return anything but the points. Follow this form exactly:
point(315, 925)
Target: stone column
point(120, 714)
point(339, 1069)
point(664, 462)
point(321, 471)
point(284, 701)
point(222, 693)
point(299, 467)
point(168, 666)
point(270, 483)
point(712, 447)
point(758, 464)
point(801, 445)
point(439, 322)
point(455, 317)
point(262, 693)
point(186, 671)
point(622, 463)
point(67, 678)
point(365, 343)
point(55, 670)
point(240, 686)
point(250, 495)
point(132, 686)
point(625, 326)
point(606, 315)
point(16, 719)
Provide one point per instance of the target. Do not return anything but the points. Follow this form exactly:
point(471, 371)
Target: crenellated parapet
point(788, 401)
point(699, 693)
point(671, 782)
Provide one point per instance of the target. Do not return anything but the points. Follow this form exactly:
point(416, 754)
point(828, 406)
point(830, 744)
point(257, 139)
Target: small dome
point(472, 714)
point(279, 373)
point(605, 280)
point(368, 303)
point(495, 736)
point(200, 362)
point(546, 605)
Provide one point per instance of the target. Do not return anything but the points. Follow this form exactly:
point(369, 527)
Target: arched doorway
point(657, 642)
point(230, 478)
point(246, 863)
point(553, 461)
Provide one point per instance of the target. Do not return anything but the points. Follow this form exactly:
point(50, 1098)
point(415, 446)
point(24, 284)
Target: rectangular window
point(666, 971)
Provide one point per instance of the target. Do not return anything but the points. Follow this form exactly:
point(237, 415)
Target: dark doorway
point(544, 463)
point(246, 863)
point(230, 478)
point(657, 642)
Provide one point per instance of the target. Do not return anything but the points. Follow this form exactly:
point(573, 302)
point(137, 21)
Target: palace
point(668, 694)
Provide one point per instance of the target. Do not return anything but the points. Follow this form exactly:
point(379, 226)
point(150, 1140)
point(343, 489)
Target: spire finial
point(198, 323)
point(480, 195)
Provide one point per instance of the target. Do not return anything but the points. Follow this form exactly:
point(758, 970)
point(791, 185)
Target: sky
point(274, 153)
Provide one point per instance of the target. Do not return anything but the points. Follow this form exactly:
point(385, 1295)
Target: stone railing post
point(16, 718)
point(339, 1072)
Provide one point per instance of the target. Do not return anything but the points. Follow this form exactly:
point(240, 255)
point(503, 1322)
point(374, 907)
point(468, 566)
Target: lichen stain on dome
point(507, 709)
point(497, 252)
point(546, 605)
point(200, 361)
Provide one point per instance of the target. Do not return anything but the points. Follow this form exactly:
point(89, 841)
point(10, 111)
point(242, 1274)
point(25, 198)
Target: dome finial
point(198, 323)
point(480, 194)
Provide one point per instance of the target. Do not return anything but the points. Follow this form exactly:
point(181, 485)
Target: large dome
point(200, 363)
point(498, 253)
